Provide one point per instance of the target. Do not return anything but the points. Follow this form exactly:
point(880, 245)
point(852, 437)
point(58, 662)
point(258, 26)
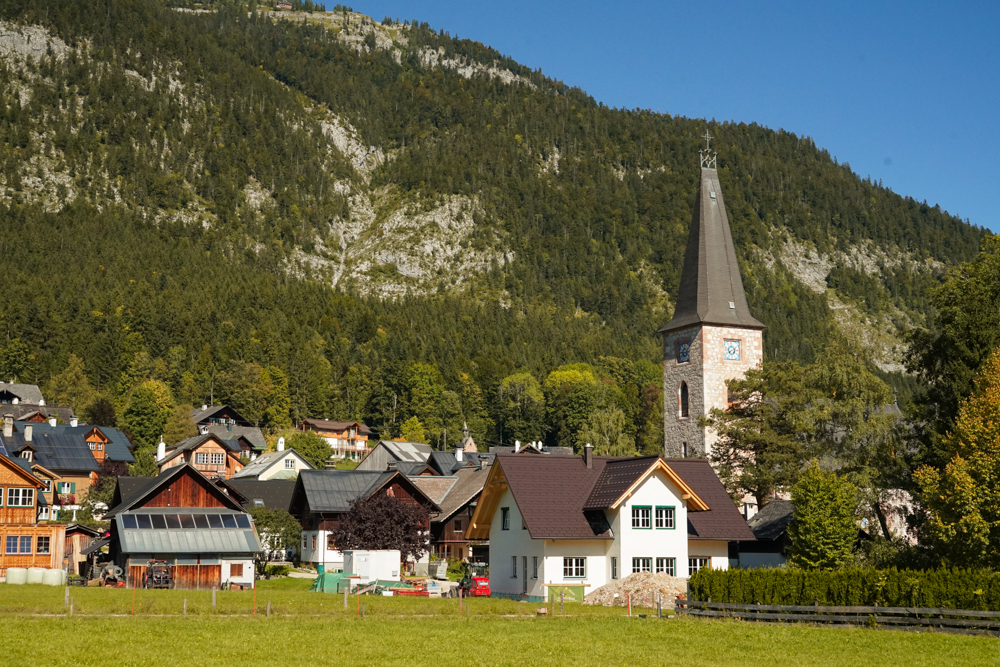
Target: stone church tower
point(712, 336)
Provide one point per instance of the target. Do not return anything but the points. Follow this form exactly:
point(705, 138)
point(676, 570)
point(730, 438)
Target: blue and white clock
point(731, 350)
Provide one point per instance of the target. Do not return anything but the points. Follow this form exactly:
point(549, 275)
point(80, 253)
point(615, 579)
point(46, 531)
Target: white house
point(282, 464)
point(586, 520)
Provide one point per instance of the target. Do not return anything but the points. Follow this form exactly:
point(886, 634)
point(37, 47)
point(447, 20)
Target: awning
point(95, 546)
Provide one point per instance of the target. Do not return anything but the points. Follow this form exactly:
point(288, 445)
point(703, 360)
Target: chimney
point(517, 446)
point(16, 400)
point(52, 420)
point(161, 451)
point(588, 455)
point(204, 407)
point(281, 444)
point(459, 454)
point(202, 429)
point(28, 432)
point(73, 421)
point(253, 457)
point(41, 402)
point(8, 426)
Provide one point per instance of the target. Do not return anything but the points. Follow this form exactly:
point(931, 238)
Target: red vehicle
point(474, 583)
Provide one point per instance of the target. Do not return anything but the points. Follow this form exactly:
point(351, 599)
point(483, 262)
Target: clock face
point(731, 350)
point(684, 353)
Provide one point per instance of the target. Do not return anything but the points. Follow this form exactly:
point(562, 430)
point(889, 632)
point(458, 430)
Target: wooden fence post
point(213, 598)
point(269, 608)
point(185, 607)
point(346, 588)
point(66, 599)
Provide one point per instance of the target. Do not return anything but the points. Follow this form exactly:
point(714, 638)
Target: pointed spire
point(711, 289)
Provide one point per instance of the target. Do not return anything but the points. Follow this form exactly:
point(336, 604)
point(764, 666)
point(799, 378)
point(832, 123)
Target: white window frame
point(534, 567)
point(20, 497)
point(574, 567)
point(638, 519)
point(666, 565)
point(289, 464)
point(38, 544)
point(666, 517)
point(218, 459)
point(642, 564)
point(201, 458)
point(696, 563)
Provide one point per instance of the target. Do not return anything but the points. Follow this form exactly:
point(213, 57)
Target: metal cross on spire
point(708, 155)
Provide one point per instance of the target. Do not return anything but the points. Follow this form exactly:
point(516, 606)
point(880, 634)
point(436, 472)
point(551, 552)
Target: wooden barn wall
point(185, 491)
point(185, 576)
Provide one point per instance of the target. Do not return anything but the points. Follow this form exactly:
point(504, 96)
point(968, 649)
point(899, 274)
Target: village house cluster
point(538, 517)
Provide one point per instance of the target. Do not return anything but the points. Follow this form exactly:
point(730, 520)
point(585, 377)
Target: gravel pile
point(641, 586)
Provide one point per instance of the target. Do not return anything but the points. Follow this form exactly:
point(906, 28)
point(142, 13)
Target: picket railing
point(904, 618)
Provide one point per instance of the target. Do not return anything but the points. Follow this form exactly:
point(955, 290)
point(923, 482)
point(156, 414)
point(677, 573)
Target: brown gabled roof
point(616, 479)
point(559, 496)
point(329, 425)
point(434, 487)
point(551, 492)
point(723, 521)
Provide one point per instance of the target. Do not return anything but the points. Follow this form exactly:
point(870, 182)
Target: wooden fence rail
point(910, 618)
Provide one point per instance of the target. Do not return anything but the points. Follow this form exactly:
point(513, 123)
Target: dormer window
point(27, 455)
point(290, 464)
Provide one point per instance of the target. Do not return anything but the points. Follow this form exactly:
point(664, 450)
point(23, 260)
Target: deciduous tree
point(382, 521)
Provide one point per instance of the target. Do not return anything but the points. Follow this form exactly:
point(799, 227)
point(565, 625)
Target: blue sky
point(906, 92)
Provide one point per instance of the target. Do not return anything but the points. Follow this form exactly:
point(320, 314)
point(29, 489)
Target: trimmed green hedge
point(952, 589)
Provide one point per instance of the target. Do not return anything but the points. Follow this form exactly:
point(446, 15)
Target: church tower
point(712, 336)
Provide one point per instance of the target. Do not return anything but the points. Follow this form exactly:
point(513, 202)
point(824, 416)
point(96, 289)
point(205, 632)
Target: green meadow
point(314, 628)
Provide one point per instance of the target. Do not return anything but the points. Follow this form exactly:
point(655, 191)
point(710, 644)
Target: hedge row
point(952, 589)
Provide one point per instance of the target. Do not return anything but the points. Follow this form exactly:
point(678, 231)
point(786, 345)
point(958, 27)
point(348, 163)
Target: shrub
point(952, 589)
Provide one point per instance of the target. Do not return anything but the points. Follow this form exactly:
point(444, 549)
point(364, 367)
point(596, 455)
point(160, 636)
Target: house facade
point(25, 541)
point(207, 539)
point(282, 464)
point(584, 521)
point(348, 440)
point(207, 453)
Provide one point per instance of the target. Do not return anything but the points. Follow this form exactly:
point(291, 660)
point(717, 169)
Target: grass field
point(314, 629)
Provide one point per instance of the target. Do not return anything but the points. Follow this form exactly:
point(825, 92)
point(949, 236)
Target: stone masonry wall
point(705, 374)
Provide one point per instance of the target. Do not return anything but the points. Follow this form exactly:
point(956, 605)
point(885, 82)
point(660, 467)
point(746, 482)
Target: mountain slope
point(287, 186)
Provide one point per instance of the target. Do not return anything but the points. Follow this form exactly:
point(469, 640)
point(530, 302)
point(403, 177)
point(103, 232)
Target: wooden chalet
point(206, 453)
point(24, 540)
point(205, 536)
point(349, 440)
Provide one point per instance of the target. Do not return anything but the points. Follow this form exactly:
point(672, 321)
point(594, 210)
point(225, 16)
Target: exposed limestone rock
point(18, 42)
point(468, 68)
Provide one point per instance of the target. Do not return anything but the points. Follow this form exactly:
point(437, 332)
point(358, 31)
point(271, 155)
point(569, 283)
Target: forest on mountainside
point(147, 260)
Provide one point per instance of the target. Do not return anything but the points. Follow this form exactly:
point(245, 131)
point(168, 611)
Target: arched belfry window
point(684, 412)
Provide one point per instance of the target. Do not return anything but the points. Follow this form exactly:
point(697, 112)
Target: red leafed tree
point(382, 521)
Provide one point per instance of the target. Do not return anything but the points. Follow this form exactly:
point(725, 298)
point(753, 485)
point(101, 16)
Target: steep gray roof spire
point(711, 289)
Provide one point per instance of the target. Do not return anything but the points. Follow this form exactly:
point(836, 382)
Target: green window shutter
point(72, 487)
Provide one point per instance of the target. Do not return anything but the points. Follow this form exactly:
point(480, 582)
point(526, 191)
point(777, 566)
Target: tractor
point(157, 575)
point(474, 582)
